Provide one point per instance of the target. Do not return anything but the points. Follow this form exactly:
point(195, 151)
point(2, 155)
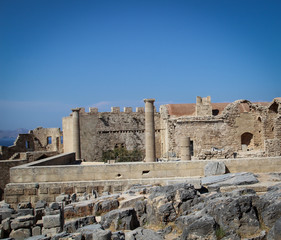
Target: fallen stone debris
point(173, 212)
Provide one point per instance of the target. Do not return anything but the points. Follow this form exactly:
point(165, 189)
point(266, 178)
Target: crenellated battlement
point(127, 110)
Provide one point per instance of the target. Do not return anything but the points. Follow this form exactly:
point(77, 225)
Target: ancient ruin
point(180, 144)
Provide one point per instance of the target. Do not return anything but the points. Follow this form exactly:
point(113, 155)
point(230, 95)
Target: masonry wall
point(103, 131)
point(5, 166)
point(35, 140)
point(31, 183)
point(241, 123)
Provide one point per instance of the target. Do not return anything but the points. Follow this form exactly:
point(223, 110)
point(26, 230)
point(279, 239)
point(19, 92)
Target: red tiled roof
point(188, 109)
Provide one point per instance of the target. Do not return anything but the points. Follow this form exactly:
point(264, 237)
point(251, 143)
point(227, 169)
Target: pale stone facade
point(215, 130)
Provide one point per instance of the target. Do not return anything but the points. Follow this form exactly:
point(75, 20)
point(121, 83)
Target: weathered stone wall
point(53, 180)
point(27, 157)
point(102, 131)
point(243, 126)
point(35, 140)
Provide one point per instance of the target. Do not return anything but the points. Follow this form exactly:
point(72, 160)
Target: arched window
point(246, 138)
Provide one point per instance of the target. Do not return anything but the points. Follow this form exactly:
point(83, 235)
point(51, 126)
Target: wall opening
point(273, 107)
point(27, 144)
point(191, 148)
point(49, 140)
point(246, 139)
point(145, 172)
point(215, 112)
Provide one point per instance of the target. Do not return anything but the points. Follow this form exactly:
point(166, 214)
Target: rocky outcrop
point(176, 211)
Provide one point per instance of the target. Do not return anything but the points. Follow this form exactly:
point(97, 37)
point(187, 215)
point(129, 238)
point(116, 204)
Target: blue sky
point(56, 55)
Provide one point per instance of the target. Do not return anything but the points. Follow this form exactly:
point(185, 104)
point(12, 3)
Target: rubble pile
point(177, 211)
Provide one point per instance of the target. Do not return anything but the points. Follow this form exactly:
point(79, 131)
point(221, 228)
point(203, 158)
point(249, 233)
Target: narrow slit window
point(49, 140)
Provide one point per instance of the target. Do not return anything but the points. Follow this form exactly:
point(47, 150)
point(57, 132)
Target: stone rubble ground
point(226, 207)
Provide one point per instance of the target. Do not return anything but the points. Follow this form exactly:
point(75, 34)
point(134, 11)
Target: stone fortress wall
point(102, 131)
point(216, 130)
point(204, 130)
point(239, 128)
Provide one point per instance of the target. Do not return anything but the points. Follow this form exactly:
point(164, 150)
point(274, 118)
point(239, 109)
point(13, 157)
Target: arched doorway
point(246, 139)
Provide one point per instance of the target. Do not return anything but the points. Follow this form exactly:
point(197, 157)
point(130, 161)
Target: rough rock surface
point(214, 168)
point(174, 212)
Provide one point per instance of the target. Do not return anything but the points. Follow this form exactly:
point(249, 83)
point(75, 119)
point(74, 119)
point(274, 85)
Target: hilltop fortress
point(215, 130)
point(180, 138)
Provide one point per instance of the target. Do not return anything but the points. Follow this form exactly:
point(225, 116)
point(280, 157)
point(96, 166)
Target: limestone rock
point(73, 225)
point(26, 211)
point(214, 168)
point(40, 204)
point(201, 228)
point(142, 234)
point(120, 219)
point(275, 231)
point(95, 232)
point(106, 205)
point(38, 237)
point(36, 231)
point(52, 221)
point(229, 179)
point(21, 233)
point(22, 222)
point(6, 212)
point(118, 235)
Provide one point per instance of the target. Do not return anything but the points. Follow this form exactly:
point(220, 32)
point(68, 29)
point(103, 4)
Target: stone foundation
point(39, 180)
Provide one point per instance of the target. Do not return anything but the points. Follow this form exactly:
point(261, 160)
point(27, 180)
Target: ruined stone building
point(216, 130)
point(249, 132)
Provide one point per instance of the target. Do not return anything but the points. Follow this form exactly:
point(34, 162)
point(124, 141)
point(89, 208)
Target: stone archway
point(246, 140)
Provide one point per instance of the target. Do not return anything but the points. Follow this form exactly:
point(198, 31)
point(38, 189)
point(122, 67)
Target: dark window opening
point(274, 107)
point(118, 175)
point(49, 140)
point(145, 172)
point(246, 138)
point(27, 144)
point(215, 112)
point(191, 148)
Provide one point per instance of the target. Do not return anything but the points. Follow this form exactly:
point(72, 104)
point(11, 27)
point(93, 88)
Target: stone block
point(68, 190)
point(24, 212)
point(6, 213)
point(81, 189)
point(93, 110)
point(214, 168)
point(22, 222)
point(62, 198)
point(50, 232)
point(24, 198)
point(6, 224)
point(128, 109)
point(52, 221)
point(55, 190)
point(11, 199)
point(43, 190)
point(40, 204)
point(30, 191)
point(21, 233)
point(36, 231)
point(115, 109)
point(13, 191)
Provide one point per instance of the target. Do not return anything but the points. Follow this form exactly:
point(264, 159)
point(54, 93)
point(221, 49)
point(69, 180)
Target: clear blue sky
point(56, 55)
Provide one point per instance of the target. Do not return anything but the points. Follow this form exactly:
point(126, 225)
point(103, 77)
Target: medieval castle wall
point(102, 131)
point(236, 129)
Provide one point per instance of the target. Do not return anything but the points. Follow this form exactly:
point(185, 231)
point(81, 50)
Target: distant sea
point(7, 141)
